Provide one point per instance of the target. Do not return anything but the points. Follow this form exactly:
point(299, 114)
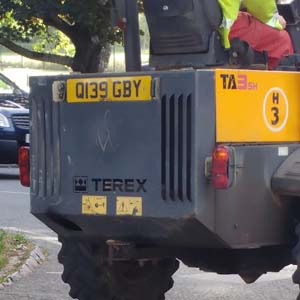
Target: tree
point(87, 24)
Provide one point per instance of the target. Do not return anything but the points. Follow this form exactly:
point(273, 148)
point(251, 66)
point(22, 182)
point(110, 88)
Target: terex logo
point(120, 185)
point(237, 82)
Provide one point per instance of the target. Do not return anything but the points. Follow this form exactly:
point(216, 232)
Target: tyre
point(296, 254)
point(91, 277)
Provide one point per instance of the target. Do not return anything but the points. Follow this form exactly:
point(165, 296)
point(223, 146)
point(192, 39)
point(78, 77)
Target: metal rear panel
point(83, 149)
point(286, 180)
point(249, 213)
point(150, 141)
point(45, 147)
point(163, 142)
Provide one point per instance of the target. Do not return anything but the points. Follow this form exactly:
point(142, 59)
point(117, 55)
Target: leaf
point(58, 26)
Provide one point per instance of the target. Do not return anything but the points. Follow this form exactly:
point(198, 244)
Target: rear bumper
point(162, 232)
point(9, 147)
point(8, 152)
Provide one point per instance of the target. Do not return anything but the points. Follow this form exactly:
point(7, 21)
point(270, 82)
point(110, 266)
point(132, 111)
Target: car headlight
point(3, 121)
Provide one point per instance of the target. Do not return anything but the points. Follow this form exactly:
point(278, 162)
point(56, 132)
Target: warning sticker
point(94, 205)
point(132, 206)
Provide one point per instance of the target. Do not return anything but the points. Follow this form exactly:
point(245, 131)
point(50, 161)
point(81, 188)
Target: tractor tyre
point(296, 254)
point(91, 277)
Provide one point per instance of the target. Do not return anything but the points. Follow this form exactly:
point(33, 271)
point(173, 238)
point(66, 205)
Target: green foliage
point(3, 86)
point(2, 248)
point(73, 33)
point(14, 250)
point(51, 25)
point(53, 41)
point(2, 236)
point(19, 238)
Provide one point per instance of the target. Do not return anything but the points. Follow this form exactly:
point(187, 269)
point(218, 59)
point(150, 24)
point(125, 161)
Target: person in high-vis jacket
point(261, 27)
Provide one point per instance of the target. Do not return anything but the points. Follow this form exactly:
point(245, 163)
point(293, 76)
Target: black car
point(14, 120)
point(10, 91)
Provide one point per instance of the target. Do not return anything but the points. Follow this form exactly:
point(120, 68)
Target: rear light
point(24, 166)
point(220, 168)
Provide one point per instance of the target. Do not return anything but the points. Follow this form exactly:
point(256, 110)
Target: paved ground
point(45, 282)
point(190, 284)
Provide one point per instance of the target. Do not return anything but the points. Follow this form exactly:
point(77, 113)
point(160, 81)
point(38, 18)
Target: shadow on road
point(9, 176)
point(9, 172)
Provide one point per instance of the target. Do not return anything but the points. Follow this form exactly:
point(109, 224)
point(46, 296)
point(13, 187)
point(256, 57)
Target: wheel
point(296, 254)
point(92, 278)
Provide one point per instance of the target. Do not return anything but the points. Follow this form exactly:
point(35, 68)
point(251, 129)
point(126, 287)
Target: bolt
point(235, 55)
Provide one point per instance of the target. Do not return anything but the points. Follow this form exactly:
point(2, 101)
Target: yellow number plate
point(84, 90)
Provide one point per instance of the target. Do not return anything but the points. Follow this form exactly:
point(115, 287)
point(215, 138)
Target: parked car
point(10, 91)
point(14, 120)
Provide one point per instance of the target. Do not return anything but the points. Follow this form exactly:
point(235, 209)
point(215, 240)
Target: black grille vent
point(176, 147)
point(21, 121)
point(178, 44)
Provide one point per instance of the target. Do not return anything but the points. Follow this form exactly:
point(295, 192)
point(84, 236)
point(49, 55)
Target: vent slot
point(176, 147)
point(46, 148)
point(178, 44)
point(39, 133)
point(21, 121)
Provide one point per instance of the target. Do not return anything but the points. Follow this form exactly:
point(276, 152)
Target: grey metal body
point(164, 143)
point(286, 180)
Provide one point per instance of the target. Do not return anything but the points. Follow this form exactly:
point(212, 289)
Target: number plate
point(109, 89)
point(27, 138)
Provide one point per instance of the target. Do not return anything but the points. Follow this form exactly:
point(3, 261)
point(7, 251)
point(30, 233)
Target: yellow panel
point(94, 205)
point(132, 206)
point(84, 90)
point(257, 106)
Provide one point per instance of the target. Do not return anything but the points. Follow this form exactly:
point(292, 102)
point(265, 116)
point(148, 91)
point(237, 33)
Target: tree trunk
point(90, 57)
point(105, 56)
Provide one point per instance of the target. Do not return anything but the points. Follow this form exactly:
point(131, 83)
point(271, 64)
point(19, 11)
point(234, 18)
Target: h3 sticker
point(276, 109)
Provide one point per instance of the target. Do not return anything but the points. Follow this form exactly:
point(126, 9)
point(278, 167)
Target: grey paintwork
point(286, 180)
point(126, 140)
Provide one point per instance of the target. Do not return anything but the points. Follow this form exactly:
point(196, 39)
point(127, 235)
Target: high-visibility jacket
point(263, 10)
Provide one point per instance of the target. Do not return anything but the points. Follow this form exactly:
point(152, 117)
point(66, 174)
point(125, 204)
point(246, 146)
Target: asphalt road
point(190, 284)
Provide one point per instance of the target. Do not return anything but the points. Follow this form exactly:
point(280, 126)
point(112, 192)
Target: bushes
point(14, 250)
point(3, 258)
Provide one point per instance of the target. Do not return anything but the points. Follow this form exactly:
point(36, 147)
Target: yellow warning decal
point(132, 206)
point(257, 106)
point(82, 90)
point(94, 205)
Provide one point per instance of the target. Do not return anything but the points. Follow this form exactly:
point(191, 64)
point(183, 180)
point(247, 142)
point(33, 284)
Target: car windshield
point(5, 87)
point(8, 104)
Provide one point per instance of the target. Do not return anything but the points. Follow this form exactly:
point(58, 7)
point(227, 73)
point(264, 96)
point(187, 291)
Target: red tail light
point(220, 168)
point(24, 166)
